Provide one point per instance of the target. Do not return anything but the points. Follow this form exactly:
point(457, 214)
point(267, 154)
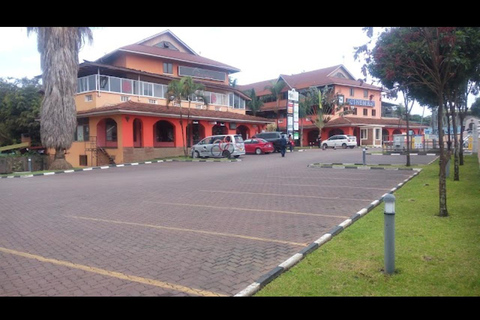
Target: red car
point(258, 146)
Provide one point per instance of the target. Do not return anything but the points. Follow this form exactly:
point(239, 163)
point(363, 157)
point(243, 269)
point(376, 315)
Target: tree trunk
point(59, 162)
point(462, 128)
point(442, 183)
point(408, 140)
point(456, 170)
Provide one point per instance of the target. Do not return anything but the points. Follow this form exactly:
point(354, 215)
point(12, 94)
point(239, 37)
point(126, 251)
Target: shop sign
point(360, 102)
point(292, 111)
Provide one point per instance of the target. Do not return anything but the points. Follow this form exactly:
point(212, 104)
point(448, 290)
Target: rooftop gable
point(338, 75)
point(166, 45)
point(167, 36)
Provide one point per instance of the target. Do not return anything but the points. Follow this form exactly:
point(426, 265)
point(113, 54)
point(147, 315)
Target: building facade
point(123, 112)
point(357, 111)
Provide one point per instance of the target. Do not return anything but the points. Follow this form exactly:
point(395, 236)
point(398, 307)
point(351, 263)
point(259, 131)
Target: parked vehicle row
point(274, 137)
point(233, 145)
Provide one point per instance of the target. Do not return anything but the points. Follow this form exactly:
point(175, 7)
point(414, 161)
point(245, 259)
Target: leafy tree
point(255, 102)
point(184, 89)
point(475, 109)
point(429, 62)
point(276, 92)
point(309, 105)
point(20, 102)
point(59, 48)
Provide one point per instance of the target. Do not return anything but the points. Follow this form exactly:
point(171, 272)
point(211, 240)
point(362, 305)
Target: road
point(176, 228)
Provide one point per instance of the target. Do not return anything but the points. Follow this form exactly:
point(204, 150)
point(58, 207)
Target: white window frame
point(378, 133)
point(363, 133)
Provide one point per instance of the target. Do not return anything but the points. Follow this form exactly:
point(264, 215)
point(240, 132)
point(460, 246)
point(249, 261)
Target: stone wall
point(149, 153)
point(11, 164)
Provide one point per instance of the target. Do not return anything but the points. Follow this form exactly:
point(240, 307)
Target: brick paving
point(176, 228)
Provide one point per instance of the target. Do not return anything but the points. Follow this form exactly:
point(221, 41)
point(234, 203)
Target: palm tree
point(308, 100)
point(276, 91)
point(59, 48)
point(255, 102)
point(184, 89)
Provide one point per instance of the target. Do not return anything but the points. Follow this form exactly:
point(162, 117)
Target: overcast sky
point(261, 53)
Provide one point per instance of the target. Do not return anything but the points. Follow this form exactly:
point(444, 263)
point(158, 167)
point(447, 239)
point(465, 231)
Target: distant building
point(362, 115)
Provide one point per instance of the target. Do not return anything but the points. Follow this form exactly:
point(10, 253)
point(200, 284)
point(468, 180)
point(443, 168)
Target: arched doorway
point(219, 128)
point(107, 133)
point(334, 132)
point(243, 131)
point(312, 137)
point(195, 133)
point(356, 133)
point(163, 134)
point(137, 133)
point(385, 135)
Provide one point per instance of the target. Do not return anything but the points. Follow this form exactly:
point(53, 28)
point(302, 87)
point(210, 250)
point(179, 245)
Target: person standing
point(283, 145)
point(290, 142)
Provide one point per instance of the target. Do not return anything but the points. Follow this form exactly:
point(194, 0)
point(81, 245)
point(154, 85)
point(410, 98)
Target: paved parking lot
point(177, 228)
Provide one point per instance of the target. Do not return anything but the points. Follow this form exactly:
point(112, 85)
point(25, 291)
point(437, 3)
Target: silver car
point(340, 140)
point(219, 146)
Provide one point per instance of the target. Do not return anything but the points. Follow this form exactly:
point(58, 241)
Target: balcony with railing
point(129, 87)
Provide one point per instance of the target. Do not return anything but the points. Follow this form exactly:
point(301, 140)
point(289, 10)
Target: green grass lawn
point(434, 256)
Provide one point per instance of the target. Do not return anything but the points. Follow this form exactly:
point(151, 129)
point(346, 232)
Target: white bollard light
point(389, 200)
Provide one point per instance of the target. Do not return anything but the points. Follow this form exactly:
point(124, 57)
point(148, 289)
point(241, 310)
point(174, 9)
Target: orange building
point(122, 110)
point(362, 114)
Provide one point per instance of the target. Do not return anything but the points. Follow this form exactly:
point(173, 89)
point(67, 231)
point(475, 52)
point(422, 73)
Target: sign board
point(292, 113)
point(360, 102)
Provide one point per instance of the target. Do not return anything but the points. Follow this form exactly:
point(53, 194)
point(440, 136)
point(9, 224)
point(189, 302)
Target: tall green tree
point(309, 105)
point(255, 102)
point(275, 89)
point(59, 48)
point(475, 108)
point(20, 102)
point(429, 61)
point(185, 89)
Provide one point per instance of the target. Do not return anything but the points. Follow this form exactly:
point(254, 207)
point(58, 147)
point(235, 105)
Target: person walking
point(290, 142)
point(283, 145)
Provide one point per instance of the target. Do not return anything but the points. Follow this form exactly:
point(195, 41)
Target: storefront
point(132, 132)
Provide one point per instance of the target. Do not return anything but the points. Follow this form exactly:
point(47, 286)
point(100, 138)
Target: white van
point(219, 146)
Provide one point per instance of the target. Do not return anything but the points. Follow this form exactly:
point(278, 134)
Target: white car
point(340, 140)
point(219, 146)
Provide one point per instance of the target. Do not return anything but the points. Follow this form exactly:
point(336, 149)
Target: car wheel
point(226, 154)
point(195, 155)
point(344, 146)
point(258, 151)
point(324, 146)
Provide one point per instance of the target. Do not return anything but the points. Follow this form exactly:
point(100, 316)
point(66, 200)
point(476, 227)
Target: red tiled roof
point(304, 80)
point(173, 55)
point(259, 87)
point(358, 121)
point(147, 109)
